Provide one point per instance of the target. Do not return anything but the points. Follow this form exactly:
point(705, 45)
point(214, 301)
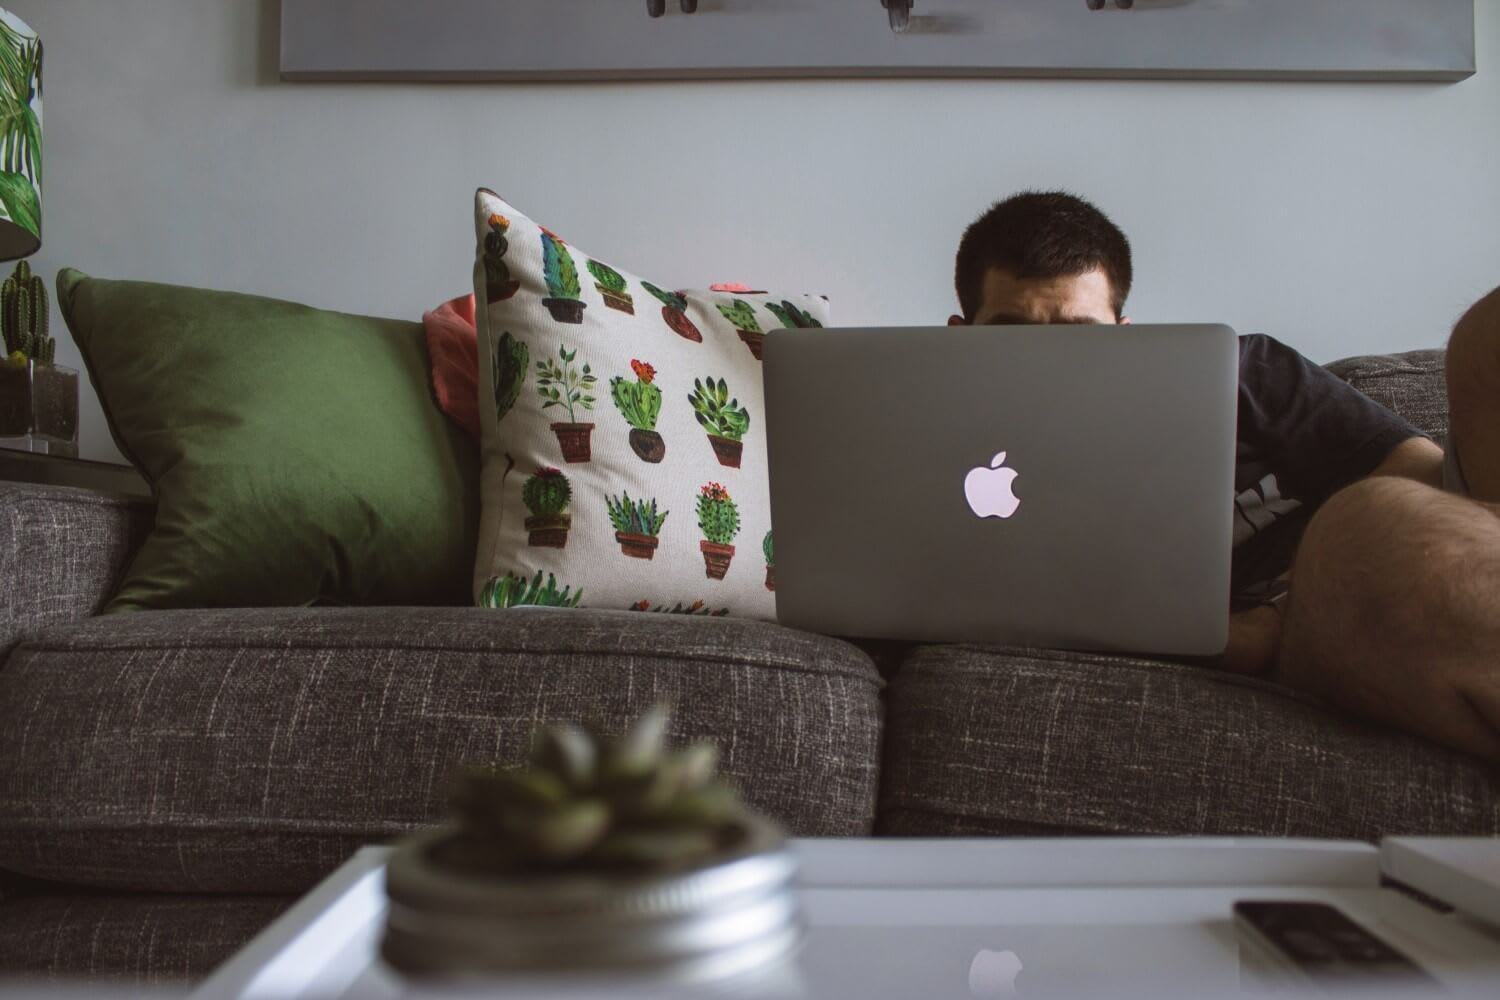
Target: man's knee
point(1474, 348)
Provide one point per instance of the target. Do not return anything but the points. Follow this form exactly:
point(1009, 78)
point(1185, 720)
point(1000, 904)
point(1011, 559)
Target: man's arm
point(1417, 458)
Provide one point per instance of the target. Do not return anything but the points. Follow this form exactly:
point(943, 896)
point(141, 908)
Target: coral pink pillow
point(453, 349)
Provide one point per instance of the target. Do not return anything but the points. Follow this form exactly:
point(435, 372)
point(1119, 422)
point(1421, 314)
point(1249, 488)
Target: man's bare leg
point(1395, 604)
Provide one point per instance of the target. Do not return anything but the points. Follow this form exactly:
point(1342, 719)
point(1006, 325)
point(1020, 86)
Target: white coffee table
point(930, 919)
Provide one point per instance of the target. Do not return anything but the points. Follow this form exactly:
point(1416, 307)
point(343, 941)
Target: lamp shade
point(20, 138)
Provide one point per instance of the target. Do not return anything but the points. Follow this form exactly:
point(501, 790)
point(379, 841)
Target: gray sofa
point(172, 780)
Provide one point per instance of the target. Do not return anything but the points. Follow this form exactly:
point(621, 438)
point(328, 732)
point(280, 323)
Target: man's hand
point(1254, 642)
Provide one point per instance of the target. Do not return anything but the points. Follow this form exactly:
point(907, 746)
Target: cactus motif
point(639, 402)
point(742, 315)
point(547, 495)
point(611, 284)
point(631, 805)
point(725, 420)
point(499, 285)
point(718, 515)
point(769, 548)
point(511, 360)
point(561, 275)
point(635, 517)
point(514, 591)
point(697, 608)
point(793, 318)
point(674, 313)
point(25, 315)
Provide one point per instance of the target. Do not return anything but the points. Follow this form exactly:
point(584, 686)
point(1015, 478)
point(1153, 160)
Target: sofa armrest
point(62, 552)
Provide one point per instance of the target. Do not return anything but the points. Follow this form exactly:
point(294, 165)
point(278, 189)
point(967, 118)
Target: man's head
point(1042, 257)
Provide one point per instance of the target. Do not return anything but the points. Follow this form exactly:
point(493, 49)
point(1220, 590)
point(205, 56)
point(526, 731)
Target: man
point(1367, 561)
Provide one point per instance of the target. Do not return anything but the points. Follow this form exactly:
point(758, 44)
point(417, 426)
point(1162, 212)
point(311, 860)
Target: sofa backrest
point(1413, 384)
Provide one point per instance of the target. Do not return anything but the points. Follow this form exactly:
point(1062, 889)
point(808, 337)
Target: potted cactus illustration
point(719, 520)
point(498, 283)
point(561, 275)
point(639, 402)
point(674, 313)
point(742, 315)
point(513, 591)
point(511, 360)
point(725, 420)
point(791, 317)
point(611, 285)
point(547, 496)
point(769, 548)
point(38, 399)
point(637, 525)
point(567, 386)
point(697, 608)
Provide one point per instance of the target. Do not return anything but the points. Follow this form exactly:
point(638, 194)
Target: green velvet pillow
point(297, 456)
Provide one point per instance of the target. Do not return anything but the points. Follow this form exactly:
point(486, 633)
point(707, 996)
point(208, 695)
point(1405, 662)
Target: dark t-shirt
point(1304, 434)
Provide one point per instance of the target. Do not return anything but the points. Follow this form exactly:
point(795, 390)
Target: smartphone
point(1326, 947)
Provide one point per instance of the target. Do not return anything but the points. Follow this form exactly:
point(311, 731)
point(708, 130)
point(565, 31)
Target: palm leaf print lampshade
point(20, 138)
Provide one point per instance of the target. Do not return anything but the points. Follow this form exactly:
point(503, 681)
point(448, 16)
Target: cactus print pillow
point(623, 436)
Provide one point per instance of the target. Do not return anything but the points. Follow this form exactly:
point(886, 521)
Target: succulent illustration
point(718, 515)
point(547, 492)
point(607, 277)
point(635, 517)
point(513, 591)
point(511, 360)
point(742, 315)
point(558, 269)
point(792, 317)
point(716, 411)
point(564, 384)
point(499, 285)
point(672, 300)
point(585, 804)
point(697, 608)
point(25, 313)
point(639, 402)
point(769, 548)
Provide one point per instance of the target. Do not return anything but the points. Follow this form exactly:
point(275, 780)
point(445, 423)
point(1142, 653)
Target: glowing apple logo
point(993, 974)
point(990, 491)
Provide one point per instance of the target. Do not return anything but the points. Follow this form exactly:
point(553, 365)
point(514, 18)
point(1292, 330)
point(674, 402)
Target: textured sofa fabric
point(61, 553)
point(253, 751)
point(1413, 384)
point(1023, 742)
point(135, 939)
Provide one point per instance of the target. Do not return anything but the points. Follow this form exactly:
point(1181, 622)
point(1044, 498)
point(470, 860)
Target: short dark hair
point(1042, 234)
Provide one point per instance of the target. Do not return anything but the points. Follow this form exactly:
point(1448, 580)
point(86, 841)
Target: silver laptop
point(1053, 486)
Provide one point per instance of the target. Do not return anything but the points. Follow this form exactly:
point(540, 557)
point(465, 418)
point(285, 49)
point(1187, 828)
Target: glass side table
point(39, 408)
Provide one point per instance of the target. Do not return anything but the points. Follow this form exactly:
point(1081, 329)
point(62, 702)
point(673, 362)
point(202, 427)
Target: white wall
point(1343, 218)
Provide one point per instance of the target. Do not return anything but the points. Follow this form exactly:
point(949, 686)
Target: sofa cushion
point(253, 751)
point(1024, 742)
point(1413, 384)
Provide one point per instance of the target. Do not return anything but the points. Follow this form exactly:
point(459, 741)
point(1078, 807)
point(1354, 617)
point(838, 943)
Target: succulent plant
point(547, 492)
point(25, 313)
point(639, 402)
point(512, 359)
point(716, 411)
point(769, 548)
point(584, 804)
point(791, 317)
point(672, 300)
point(558, 269)
point(606, 276)
point(697, 609)
point(564, 385)
point(718, 515)
point(635, 517)
point(513, 591)
point(498, 283)
point(742, 315)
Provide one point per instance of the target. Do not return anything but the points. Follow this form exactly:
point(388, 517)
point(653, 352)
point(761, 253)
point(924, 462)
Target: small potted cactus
point(674, 313)
point(725, 420)
point(511, 360)
point(561, 383)
point(698, 609)
point(793, 318)
point(769, 548)
point(621, 856)
point(38, 399)
point(611, 285)
point(637, 525)
point(564, 299)
point(742, 315)
point(547, 495)
point(498, 283)
point(515, 591)
point(639, 402)
point(719, 520)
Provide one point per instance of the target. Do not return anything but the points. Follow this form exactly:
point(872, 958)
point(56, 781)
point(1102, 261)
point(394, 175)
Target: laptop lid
point(1056, 486)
